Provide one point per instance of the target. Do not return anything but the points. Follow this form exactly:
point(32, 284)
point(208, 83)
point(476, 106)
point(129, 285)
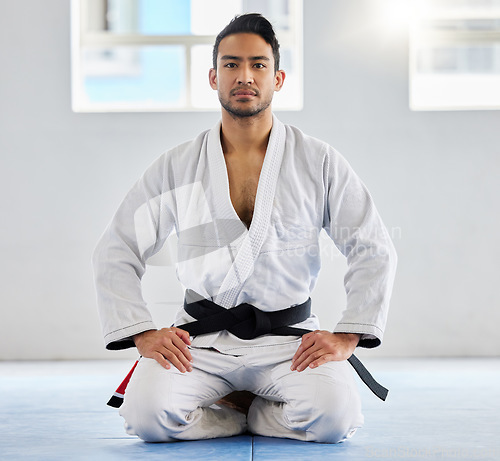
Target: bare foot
point(238, 400)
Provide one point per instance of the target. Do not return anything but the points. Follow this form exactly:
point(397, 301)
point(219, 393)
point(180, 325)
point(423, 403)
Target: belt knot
point(247, 321)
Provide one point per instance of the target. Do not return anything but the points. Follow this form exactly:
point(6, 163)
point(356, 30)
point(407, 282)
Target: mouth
point(244, 93)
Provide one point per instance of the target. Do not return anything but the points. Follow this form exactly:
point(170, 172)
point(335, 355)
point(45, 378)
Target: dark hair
point(251, 23)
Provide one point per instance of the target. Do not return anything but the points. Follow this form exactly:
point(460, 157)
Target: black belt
point(247, 322)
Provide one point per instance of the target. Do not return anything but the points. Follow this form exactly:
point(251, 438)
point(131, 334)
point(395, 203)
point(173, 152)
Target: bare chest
point(243, 183)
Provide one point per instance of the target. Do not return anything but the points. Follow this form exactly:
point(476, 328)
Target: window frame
point(83, 36)
point(419, 37)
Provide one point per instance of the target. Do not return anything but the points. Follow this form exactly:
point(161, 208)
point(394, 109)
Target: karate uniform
point(304, 186)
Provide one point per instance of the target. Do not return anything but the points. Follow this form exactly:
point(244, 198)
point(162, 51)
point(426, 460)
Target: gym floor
point(443, 409)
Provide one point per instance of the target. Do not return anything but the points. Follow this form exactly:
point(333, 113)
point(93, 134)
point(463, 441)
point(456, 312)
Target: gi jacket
point(305, 186)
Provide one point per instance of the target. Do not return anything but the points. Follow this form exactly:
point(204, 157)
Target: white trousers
point(321, 404)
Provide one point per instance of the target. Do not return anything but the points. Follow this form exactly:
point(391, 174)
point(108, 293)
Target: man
point(247, 200)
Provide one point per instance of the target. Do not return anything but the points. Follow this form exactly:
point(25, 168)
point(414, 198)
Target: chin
point(242, 110)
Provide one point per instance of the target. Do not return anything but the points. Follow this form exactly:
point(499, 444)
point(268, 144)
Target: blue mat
point(443, 410)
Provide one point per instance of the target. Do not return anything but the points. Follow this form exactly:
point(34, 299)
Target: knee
point(145, 420)
point(330, 414)
point(336, 413)
point(153, 417)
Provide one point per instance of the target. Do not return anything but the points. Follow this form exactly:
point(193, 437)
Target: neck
point(245, 135)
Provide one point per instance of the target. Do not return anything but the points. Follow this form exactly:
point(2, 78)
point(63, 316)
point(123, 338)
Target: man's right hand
point(166, 346)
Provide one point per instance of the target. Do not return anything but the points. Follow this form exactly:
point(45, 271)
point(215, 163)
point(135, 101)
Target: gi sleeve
point(353, 223)
point(138, 230)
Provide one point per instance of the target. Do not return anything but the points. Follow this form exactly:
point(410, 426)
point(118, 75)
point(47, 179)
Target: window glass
point(147, 55)
point(455, 55)
point(203, 96)
point(131, 75)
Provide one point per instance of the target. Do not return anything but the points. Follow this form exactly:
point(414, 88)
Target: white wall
point(433, 176)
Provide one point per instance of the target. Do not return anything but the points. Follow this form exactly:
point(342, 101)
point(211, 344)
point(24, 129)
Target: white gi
point(304, 186)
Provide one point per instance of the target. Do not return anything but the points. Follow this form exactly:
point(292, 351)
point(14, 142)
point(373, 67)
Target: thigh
point(320, 404)
point(152, 385)
point(163, 405)
point(282, 384)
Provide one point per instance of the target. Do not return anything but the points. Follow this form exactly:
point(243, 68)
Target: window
point(455, 55)
point(154, 55)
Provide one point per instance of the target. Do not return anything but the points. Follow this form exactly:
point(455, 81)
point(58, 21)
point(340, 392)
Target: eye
point(230, 65)
point(259, 65)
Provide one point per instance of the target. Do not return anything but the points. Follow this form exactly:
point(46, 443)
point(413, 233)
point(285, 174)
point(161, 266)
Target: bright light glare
point(398, 14)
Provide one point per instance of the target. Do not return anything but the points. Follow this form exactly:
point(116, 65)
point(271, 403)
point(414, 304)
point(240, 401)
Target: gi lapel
point(243, 264)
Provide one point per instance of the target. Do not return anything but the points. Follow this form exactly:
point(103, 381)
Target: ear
point(212, 78)
point(279, 79)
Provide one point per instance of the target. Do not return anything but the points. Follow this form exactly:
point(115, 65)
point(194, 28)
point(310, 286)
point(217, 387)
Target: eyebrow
point(228, 57)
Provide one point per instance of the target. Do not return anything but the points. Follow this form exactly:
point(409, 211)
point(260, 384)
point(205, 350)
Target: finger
point(316, 355)
point(298, 359)
point(178, 353)
point(297, 354)
point(181, 346)
point(309, 338)
point(183, 334)
point(182, 359)
point(304, 356)
point(307, 341)
point(174, 359)
point(161, 360)
point(323, 359)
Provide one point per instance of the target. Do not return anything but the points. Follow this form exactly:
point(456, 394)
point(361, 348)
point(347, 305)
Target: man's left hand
point(322, 346)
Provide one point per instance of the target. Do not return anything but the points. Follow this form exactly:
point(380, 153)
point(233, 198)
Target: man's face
point(245, 78)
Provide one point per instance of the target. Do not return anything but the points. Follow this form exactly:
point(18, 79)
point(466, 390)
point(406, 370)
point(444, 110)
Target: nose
point(245, 76)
